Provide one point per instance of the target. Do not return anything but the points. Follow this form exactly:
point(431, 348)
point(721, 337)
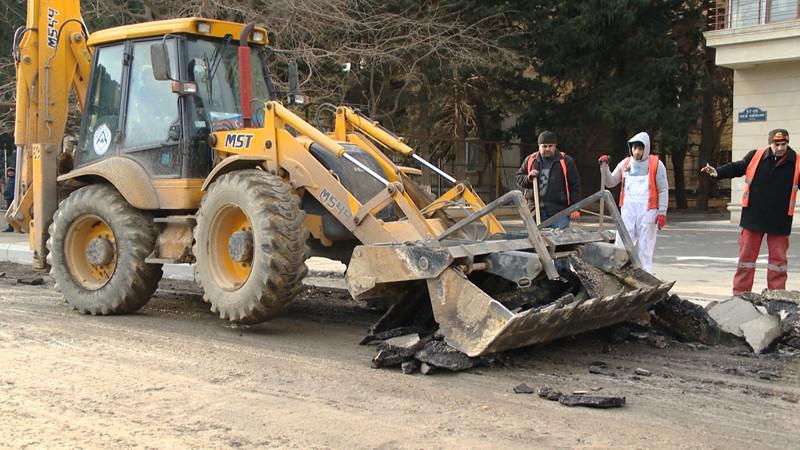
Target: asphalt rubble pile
point(424, 353)
point(766, 322)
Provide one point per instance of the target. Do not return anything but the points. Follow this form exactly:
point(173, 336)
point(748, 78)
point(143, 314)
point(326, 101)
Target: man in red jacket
point(770, 193)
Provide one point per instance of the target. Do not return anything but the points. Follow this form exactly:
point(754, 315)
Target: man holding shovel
point(550, 181)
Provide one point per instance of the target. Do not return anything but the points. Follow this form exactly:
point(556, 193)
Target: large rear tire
point(250, 246)
point(98, 245)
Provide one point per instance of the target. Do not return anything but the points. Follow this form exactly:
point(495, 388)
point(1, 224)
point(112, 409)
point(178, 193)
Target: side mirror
point(294, 85)
point(159, 59)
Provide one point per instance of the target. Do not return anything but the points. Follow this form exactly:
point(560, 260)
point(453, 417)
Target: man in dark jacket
point(557, 177)
point(771, 177)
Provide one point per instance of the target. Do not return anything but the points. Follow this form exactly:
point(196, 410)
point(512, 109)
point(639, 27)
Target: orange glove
point(661, 220)
point(575, 215)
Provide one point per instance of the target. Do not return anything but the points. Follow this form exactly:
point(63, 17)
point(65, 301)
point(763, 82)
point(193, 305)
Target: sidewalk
point(698, 251)
point(14, 248)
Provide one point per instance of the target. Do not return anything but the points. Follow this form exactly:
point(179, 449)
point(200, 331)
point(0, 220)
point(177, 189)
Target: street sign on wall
point(753, 114)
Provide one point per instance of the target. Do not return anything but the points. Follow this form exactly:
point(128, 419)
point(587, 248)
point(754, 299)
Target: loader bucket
point(514, 290)
point(476, 324)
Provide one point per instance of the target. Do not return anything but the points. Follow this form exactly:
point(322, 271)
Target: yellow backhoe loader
point(187, 155)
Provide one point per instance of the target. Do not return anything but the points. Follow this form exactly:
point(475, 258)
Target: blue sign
point(753, 114)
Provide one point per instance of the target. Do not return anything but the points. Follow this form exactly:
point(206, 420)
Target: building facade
point(760, 41)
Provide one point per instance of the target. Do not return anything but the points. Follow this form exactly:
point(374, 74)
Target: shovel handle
point(536, 199)
point(602, 199)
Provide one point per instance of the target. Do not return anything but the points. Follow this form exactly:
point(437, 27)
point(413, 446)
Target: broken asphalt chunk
point(409, 367)
point(781, 294)
point(426, 369)
point(761, 332)
point(389, 334)
point(386, 358)
point(767, 375)
point(592, 401)
point(606, 256)
point(548, 393)
point(732, 313)
point(404, 346)
point(657, 341)
point(688, 322)
point(738, 371)
point(439, 354)
point(32, 281)
point(602, 370)
point(523, 388)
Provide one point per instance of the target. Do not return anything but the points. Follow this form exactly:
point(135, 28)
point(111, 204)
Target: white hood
point(643, 138)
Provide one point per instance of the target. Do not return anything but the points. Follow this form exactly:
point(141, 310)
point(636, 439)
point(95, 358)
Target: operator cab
point(158, 123)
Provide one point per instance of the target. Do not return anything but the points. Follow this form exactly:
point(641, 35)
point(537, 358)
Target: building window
point(780, 10)
point(743, 13)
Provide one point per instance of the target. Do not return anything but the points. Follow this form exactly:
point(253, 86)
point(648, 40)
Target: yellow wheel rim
point(80, 235)
point(227, 272)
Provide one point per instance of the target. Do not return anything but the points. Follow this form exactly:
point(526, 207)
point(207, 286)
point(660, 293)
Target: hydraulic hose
point(245, 75)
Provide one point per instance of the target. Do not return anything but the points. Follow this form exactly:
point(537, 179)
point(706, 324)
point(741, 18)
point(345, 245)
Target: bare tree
point(366, 52)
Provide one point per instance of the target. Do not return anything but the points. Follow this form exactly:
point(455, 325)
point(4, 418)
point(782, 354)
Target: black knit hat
point(778, 135)
point(547, 137)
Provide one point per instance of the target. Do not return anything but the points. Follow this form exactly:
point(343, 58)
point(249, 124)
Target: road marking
point(717, 259)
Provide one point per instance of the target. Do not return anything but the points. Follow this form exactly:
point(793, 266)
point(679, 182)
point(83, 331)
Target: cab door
point(152, 128)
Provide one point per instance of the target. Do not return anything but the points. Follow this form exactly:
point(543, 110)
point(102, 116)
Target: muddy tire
point(98, 244)
point(250, 245)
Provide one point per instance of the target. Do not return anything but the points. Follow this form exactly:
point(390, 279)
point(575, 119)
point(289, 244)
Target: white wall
point(775, 88)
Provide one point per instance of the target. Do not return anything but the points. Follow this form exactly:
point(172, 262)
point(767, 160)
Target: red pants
point(749, 245)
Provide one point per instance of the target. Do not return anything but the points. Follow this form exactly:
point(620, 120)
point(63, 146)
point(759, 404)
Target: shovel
point(536, 199)
point(602, 199)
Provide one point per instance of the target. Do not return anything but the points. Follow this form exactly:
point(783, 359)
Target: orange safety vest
point(750, 173)
point(563, 169)
point(652, 200)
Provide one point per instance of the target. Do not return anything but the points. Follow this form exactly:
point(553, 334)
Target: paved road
point(174, 375)
point(701, 255)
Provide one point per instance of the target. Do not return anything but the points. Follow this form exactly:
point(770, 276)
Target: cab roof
point(218, 29)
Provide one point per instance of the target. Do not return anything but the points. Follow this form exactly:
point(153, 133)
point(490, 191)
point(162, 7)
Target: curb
point(22, 254)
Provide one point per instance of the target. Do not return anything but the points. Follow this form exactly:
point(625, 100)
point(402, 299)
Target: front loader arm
point(52, 60)
point(288, 154)
point(350, 126)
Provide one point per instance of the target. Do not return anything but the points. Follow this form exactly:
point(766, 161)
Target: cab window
point(152, 106)
point(100, 123)
point(152, 130)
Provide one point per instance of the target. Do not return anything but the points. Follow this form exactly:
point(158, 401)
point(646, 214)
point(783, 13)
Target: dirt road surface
point(175, 376)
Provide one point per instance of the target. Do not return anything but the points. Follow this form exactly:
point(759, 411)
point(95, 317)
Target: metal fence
point(489, 166)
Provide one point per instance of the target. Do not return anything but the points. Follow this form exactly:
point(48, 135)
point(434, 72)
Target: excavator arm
point(52, 61)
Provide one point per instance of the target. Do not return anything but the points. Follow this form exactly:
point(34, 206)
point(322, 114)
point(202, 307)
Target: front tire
point(98, 245)
point(250, 246)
